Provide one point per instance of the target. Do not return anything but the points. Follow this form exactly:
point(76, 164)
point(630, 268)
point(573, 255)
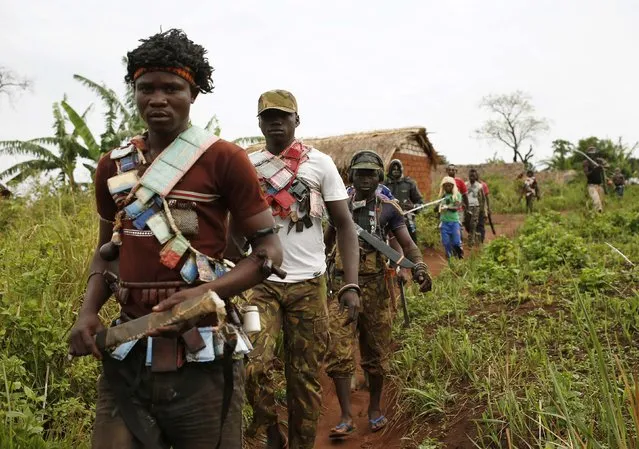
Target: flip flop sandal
point(378, 423)
point(342, 430)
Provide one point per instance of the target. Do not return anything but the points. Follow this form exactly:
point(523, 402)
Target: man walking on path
point(299, 182)
point(404, 190)
point(381, 217)
point(481, 226)
point(476, 207)
point(451, 170)
point(594, 172)
point(449, 225)
point(181, 388)
point(619, 182)
point(530, 190)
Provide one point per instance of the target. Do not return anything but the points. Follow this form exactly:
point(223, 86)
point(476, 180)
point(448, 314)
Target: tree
point(11, 82)
point(64, 159)
point(214, 125)
point(617, 154)
point(562, 155)
point(122, 120)
point(512, 122)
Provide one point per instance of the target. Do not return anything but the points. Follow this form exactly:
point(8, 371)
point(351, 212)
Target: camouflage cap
point(277, 99)
point(366, 160)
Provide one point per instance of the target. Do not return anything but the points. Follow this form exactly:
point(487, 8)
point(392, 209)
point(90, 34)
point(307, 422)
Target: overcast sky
point(353, 65)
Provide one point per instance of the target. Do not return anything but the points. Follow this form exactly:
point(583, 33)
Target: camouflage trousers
point(373, 328)
point(474, 236)
point(300, 310)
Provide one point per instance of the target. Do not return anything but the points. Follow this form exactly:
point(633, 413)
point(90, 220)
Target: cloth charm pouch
point(123, 182)
point(259, 157)
point(144, 194)
point(173, 251)
point(317, 204)
point(189, 270)
point(219, 269)
point(204, 268)
point(284, 199)
point(270, 167)
point(135, 209)
point(160, 227)
point(281, 179)
point(141, 220)
point(129, 163)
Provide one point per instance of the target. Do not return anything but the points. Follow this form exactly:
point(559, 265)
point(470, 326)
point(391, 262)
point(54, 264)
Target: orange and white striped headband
point(184, 73)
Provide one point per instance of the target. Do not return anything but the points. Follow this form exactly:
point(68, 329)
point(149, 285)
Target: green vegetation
point(531, 343)
point(505, 199)
point(618, 155)
point(45, 247)
point(533, 340)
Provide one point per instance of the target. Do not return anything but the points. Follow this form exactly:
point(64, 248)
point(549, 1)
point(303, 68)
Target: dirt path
point(392, 436)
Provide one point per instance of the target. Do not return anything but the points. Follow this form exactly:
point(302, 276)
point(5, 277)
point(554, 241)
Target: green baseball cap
point(277, 99)
point(366, 160)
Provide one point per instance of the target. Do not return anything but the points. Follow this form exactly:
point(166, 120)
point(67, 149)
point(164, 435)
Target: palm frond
point(26, 148)
point(26, 169)
point(83, 131)
point(59, 127)
point(44, 141)
point(91, 168)
point(106, 94)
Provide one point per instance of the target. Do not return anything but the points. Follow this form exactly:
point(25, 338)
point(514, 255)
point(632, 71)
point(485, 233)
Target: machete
point(383, 248)
point(185, 311)
point(404, 303)
point(421, 206)
point(490, 222)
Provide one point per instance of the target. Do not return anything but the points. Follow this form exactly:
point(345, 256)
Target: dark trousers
point(481, 227)
point(179, 409)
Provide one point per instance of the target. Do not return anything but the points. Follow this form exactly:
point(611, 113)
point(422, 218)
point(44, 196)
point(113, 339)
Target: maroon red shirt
point(225, 170)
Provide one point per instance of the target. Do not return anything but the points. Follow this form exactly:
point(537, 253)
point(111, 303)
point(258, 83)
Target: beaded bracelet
point(347, 287)
point(420, 266)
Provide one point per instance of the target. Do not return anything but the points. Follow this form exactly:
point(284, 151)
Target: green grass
point(44, 251)
point(536, 337)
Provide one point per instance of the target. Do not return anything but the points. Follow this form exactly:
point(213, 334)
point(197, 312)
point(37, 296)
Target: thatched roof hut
point(410, 145)
point(385, 142)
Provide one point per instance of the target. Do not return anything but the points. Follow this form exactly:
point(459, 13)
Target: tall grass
point(45, 246)
point(535, 337)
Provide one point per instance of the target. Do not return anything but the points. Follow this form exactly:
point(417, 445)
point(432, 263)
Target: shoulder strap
point(176, 159)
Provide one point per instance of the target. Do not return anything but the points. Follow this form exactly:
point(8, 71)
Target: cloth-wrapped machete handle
point(187, 310)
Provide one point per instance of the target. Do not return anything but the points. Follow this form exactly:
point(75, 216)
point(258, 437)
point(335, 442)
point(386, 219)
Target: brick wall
point(418, 167)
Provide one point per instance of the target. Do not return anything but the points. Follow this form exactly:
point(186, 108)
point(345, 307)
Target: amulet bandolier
point(150, 206)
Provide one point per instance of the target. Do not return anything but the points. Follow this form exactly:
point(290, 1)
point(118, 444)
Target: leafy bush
point(537, 335)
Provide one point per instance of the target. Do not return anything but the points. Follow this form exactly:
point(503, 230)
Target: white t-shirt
point(473, 193)
point(304, 251)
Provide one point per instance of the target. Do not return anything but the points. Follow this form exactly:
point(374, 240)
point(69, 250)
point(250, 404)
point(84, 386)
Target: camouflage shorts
point(299, 309)
point(373, 329)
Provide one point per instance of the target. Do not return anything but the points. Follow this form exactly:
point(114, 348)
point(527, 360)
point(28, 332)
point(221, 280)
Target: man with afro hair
point(163, 201)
